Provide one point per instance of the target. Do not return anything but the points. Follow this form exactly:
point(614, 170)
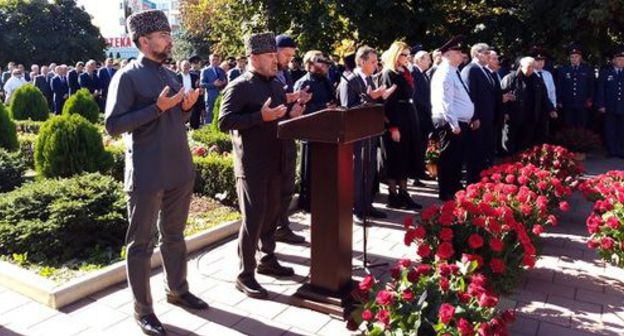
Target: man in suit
point(72, 77)
point(610, 102)
point(149, 107)
point(501, 98)
point(355, 89)
point(422, 99)
point(437, 59)
point(540, 61)
point(213, 80)
point(60, 88)
point(239, 69)
point(42, 82)
point(251, 108)
point(105, 74)
point(575, 89)
point(480, 140)
point(8, 72)
point(90, 81)
point(190, 82)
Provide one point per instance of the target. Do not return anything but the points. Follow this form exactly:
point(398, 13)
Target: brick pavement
point(570, 292)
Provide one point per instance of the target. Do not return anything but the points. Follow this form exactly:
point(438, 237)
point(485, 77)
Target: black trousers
point(452, 154)
point(288, 186)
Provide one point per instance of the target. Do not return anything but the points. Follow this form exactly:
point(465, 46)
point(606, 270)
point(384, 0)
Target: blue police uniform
point(610, 96)
point(575, 91)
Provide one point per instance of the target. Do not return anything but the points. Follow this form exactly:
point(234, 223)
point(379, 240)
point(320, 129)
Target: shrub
point(118, 154)
point(209, 138)
point(27, 148)
point(11, 171)
point(69, 145)
point(215, 178)
point(8, 135)
point(27, 102)
point(82, 103)
point(28, 126)
point(56, 220)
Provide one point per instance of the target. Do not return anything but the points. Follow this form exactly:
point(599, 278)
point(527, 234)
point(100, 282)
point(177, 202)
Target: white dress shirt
point(550, 85)
point(449, 97)
point(186, 82)
point(11, 85)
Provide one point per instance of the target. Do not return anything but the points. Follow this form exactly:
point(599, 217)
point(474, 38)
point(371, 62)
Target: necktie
point(539, 73)
point(110, 72)
point(369, 82)
point(462, 82)
point(487, 74)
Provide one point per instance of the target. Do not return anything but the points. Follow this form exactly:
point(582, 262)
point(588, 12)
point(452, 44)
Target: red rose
point(613, 222)
point(407, 222)
point(444, 284)
point(465, 327)
point(420, 232)
point(446, 234)
point(445, 270)
point(383, 316)
point(408, 295)
point(528, 261)
point(497, 265)
point(405, 262)
point(538, 230)
point(395, 272)
point(484, 330)
point(413, 276)
point(409, 236)
point(510, 179)
point(351, 325)
point(445, 250)
point(486, 300)
point(508, 316)
point(424, 250)
point(606, 243)
point(592, 243)
point(496, 244)
point(446, 313)
point(446, 219)
point(385, 298)
point(564, 206)
point(423, 269)
point(367, 283)
point(475, 241)
point(523, 180)
point(367, 315)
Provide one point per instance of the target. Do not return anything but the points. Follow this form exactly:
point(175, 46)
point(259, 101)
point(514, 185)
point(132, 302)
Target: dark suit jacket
point(322, 91)
point(59, 89)
point(575, 87)
point(518, 111)
point(482, 92)
point(422, 99)
point(43, 84)
point(105, 79)
point(72, 78)
point(194, 80)
point(609, 93)
point(90, 83)
point(351, 91)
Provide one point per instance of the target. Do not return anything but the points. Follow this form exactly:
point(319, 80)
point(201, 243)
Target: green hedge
point(27, 102)
point(28, 126)
point(214, 126)
point(8, 134)
point(11, 171)
point(56, 220)
point(83, 103)
point(118, 154)
point(27, 148)
point(68, 145)
point(215, 178)
point(209, 138)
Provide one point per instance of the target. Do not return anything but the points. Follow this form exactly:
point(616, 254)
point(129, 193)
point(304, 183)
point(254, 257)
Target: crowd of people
point(461, 98)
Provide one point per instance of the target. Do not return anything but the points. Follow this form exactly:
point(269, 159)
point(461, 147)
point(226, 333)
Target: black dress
point(402, 156)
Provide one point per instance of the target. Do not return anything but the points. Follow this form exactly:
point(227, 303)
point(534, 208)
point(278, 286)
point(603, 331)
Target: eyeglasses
point(404, 54)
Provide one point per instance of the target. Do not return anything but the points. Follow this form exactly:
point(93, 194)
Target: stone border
point(56, 296)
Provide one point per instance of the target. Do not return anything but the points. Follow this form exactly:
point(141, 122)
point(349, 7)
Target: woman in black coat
point(402, 136)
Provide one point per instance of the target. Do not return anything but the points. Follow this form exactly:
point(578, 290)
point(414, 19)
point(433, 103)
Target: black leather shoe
point(408, 201)
point(394, 201)
point(286, 235)
point(150, 325)
point(251, 288)
point(375, 213)
point(272, 267)
point(187, 300)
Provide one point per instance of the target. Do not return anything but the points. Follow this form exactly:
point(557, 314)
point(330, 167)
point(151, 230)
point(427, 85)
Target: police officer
point(610, 102)
point(575, 89)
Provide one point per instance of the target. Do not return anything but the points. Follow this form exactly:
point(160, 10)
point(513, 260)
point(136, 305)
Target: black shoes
point(251, 288)
point(150, 325)
point(407, 200)
point(187, 300)
point(394, 201)
point(287, 236)
point(375, 213)
point(272, 267)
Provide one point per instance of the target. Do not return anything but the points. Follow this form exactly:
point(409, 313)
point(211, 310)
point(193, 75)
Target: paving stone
point(304, 319)
point(98, 315)
point(258, 326)
point(58, 324)
point(524, 325)
point(548, 329)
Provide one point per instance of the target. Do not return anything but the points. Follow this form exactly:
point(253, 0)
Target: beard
point(162, 55)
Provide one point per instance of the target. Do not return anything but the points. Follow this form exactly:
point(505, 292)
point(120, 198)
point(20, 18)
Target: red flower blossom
point(424, 250)
point(383, 316)
point(367, 315)
point(496, 244)
point(408, 295)
point(446, 313)
point(385, 298)
point(475, 241)
point(613, 222)
point(444, 284)
point(564, 206)
point(407, 222)
point(367, 283)
point(445, 251)
point(465, 327)
point(405, 262)
point(446, 234)
point(413, 276)
point(538, 229)
point(486, 300)
point(607, 243)
point(420, 232)
point(395, 272)
point(497, 265)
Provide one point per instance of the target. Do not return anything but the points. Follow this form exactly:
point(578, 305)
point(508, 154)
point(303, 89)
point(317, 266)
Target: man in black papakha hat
point(149, 107)
point(251, 107)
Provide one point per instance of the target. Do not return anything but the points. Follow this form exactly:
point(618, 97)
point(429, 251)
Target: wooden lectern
point(331, 134)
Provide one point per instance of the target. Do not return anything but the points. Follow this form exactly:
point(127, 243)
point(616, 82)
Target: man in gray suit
point(251, 107)
point(149, 107)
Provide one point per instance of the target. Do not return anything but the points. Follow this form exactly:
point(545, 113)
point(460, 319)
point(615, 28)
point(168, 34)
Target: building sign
point(120, 47)
point(119, 42)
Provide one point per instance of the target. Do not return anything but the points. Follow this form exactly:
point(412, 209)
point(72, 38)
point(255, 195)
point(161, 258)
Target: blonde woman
point(401, 137)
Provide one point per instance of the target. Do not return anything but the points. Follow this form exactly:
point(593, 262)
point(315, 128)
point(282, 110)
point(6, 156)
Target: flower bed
point(606, 222)
point(491, 229)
